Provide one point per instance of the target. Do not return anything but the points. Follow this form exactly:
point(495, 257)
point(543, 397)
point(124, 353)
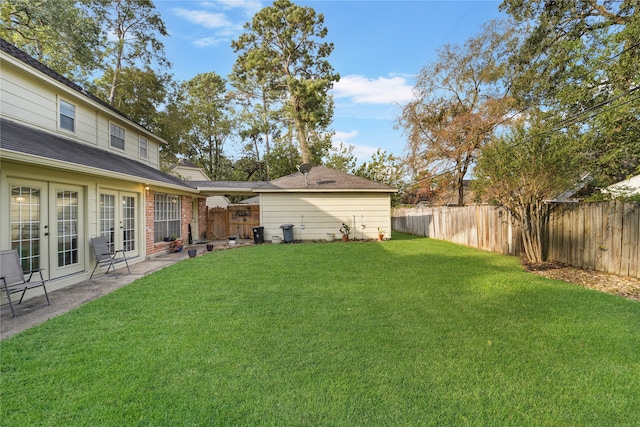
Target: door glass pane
point(128, 223)
point(25, 225)
point(67, 222)
point(108, 218)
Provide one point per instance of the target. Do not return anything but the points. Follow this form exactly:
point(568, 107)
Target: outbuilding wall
point(322, 213)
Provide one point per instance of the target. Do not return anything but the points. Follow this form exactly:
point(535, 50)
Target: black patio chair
point(104, 257)
point(13, 278)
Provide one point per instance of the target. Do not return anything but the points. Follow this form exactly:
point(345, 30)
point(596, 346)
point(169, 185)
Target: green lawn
point(407, 332)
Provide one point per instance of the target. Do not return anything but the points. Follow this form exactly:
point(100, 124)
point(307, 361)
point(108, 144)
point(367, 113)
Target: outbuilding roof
point(322, 178)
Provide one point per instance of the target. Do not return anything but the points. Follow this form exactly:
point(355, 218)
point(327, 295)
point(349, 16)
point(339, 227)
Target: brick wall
point(185, 219)
point(202, 218)
point(151, 247)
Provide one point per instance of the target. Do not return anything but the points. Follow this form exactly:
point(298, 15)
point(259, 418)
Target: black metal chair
point(13, 278)
point(104, 257)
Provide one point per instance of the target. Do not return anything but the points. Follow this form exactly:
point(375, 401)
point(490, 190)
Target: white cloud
point(340, 136)
point(209, 41)
point(361, 152)
point(204, 18)
point(383, 90)
point(249, 6)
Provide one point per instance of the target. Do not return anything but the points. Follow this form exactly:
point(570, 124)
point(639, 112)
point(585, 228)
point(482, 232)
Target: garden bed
point(627, 287)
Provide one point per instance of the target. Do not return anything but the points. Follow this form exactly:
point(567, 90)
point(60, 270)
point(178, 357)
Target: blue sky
point(380, 46)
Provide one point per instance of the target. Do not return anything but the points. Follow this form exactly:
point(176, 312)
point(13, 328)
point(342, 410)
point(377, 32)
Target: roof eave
point(88, 170)
point(222, 191)
point(325, 190)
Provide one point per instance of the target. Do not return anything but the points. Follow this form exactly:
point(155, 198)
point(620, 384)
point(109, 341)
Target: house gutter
point(325, 190)
point(222, 191)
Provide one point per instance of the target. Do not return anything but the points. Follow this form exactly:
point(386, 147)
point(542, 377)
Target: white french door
point(47, 226)
point(118, 217)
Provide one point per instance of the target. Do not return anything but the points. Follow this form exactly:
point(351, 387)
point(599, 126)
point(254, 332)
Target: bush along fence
point(602, 236)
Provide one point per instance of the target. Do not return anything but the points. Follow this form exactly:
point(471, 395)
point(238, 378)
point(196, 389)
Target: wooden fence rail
point(600, 236)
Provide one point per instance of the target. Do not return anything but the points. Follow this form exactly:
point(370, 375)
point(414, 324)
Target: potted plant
point(380, 234)
point(345, 230)
point(330, 237)
point(176, 244)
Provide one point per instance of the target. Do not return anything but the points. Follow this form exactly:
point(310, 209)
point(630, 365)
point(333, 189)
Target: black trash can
point(287, 232)
point(258, 235)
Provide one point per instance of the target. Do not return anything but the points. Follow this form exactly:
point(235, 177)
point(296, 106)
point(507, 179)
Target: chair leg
point(46, 294)
point(115, 273)
point(94, 270)
point(126, 263)
point(13, 313)
point(24, 291)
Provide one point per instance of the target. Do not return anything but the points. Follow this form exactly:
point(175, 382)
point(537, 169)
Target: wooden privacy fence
point(600, 236)
point(235, 220)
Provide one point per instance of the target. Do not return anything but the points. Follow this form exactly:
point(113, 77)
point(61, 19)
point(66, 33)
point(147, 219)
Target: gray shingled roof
point(321, 178)
point(17, 138)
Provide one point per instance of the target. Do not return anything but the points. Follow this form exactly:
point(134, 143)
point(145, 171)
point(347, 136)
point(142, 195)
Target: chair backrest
point(10, 268)
point(100, 247)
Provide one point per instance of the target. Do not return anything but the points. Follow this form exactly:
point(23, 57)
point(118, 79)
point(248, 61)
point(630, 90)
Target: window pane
point(25, 225)
point(117, 136)
point(143, 148)
point(67, 109)
point(166, 216)
point(67, 220)
point(67, 116)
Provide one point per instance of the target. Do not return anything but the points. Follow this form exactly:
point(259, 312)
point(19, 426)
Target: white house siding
point(627, 187)
point(29, 100)
point(189, 174)
point(322, 213)
point(26, 100)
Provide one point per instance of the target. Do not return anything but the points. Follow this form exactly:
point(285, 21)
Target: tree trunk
point(302, 140)
point(533, 220)
point(301, 129)
point(460, 182)
point(116, 71)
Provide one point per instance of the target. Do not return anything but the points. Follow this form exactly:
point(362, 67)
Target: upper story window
point(67, 116)
point(117, 136)
point(143, 148)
